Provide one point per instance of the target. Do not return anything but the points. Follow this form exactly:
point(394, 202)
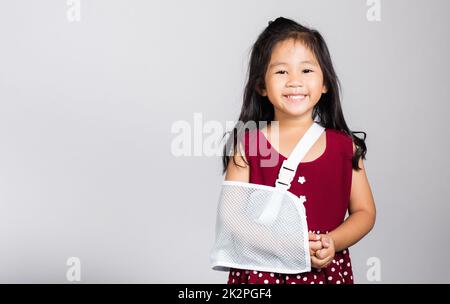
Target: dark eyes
point(306, 71)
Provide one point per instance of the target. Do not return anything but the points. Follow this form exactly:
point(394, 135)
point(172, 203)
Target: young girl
point(292, 81)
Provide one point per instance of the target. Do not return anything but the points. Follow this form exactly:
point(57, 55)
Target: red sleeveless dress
point(325, 183)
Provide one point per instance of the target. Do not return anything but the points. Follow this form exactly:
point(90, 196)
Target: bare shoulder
point(238, 168)
point(361, 197)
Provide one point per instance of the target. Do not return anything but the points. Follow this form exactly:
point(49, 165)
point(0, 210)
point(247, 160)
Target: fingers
point(316, 263)
point(322, 254)
point(314, 243)
point(314, 237)
point(314, 246)
point(323, 257)
point(321, 249)
point(326, 242)
point(320, 263)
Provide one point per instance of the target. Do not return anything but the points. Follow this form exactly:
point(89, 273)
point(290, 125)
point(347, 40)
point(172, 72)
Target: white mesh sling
point(264, 228)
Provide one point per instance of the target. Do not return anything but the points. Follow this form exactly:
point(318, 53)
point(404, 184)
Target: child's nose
point(295, 80)
point(294, 83)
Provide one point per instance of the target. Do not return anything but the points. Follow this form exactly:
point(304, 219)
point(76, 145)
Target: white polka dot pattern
point(337, 272)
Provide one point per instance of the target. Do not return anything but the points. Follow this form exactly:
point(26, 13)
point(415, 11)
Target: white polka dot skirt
point(338, 272)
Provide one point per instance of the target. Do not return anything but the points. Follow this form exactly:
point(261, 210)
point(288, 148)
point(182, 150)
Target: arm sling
point(261, 227)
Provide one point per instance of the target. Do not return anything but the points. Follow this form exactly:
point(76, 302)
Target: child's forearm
point(354, 228)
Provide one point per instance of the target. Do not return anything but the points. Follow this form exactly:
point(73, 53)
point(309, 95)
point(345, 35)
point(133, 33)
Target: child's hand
point(314, 243)
point(324, 256)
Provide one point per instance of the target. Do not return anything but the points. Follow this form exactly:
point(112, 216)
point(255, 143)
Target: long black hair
point(258, 108)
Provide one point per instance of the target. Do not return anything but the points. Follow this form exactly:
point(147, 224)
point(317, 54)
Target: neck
point(294, 123)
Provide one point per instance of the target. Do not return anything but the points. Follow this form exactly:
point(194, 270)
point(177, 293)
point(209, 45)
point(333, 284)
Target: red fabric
point(327, 190)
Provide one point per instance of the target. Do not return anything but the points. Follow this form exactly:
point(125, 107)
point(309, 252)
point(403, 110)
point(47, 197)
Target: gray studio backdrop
point(89, 96)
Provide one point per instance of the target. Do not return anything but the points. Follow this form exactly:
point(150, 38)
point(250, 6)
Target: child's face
point(294, 79)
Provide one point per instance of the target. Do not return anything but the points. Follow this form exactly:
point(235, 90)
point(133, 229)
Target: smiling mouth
point(296, 97)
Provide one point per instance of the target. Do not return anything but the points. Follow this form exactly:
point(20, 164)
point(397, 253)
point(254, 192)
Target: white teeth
point(296, 97)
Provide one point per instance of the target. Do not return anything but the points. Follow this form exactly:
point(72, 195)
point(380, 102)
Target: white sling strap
point(287, 173)
point(289, 166)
